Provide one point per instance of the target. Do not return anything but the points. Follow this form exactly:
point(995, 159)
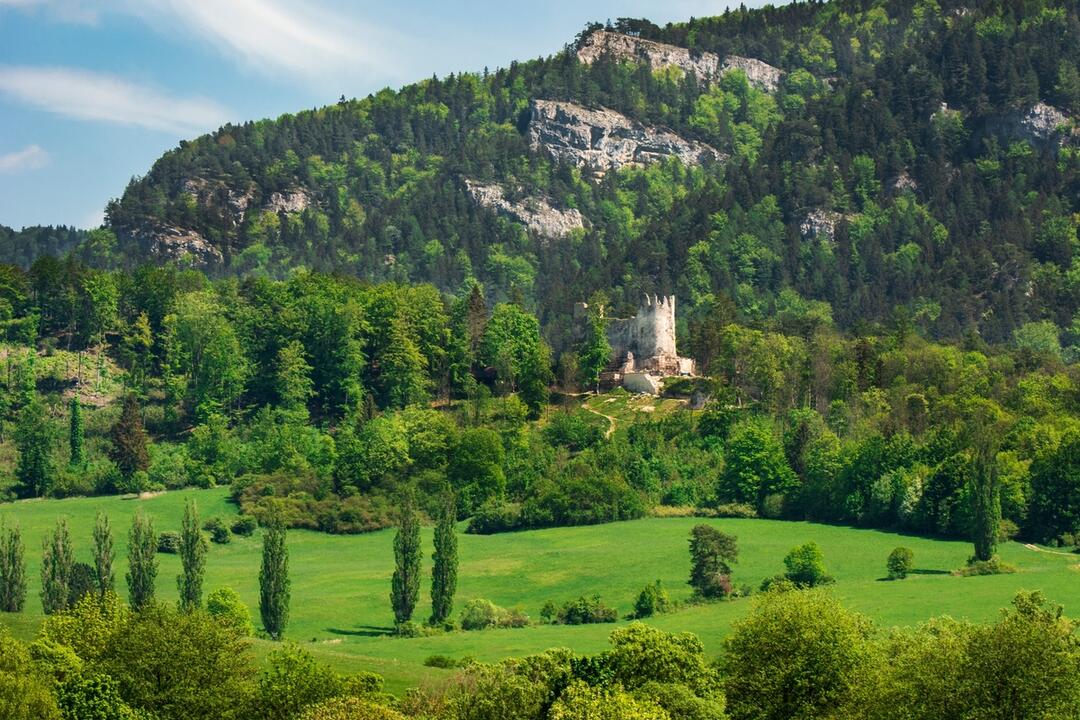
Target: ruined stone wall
point(649, 334)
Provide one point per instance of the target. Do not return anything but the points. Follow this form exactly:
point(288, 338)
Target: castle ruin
point(643, 347)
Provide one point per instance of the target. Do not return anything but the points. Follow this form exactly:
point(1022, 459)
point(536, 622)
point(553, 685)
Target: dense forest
point(914, 159)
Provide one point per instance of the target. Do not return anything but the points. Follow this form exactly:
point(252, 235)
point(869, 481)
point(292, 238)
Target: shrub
point(901, 562)
point(495, 517)
point(653, 600)
point(481, 614)
point(225, 606)
point(350, 708)
point(993, 566)
point(446, 662)
point(169, 542)
point(586, 611)
point(574, 431)
point(245, 526)
point(735, 510)
point(806, 566)
point(219, 533)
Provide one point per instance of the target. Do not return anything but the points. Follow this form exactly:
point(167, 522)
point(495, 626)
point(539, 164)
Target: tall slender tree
point(34, 437)
point(104, 554)
point(128, 449)
point(274, 583)
point(12, 569)
point(77, 457)
point(57, 560)
point(986, 501)
point(142, 561)
point(405, 586)
point(445, 566)
point(193, 548)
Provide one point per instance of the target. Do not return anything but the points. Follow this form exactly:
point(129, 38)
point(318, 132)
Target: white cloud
point(30, 157)
point(86, 95)
point(299, 37)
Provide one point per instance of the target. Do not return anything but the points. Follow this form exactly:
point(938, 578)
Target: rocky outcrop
point(761, 75)
point(820, 224)
point(706, 66)
point(603, 139)
point(535, 213)
point(217, 193)
point(290, 201)
point(1041, 125)
point(168, 242)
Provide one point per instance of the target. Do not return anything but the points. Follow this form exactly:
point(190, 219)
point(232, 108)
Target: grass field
point(340, 597)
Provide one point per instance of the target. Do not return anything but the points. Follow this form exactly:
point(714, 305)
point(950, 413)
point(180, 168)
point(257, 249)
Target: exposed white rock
point(1044, 122)
point(820, 224)
point(706, 66)
point(290, 201)
point(536, 213)
point(168, 242)
point(209, 192)
point(605, 140)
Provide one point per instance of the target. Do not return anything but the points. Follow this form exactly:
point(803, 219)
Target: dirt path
point(611, 420)
point(1036, 548)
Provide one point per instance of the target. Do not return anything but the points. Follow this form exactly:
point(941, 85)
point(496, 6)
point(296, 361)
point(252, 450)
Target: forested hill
point(902, 162)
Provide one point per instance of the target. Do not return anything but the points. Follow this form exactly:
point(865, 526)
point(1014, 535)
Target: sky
point(93, 91)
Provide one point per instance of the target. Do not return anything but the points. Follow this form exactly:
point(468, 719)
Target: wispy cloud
point(88, 95)
point(300, 37)
point(73, 11)
point(30, 157)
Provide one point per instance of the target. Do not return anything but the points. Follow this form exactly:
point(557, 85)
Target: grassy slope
point(340, 607)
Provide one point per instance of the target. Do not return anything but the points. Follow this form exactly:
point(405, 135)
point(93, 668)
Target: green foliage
point(57, 561)
point(168, 542)
point(479, 614)
point(142, 561)
point(35, 433)
point(444, 566)
point(768, 676)
point(225, 606)
point(12, 569)
point(575, 431)
point(104, 555)
point(585, 611)
point(405, 585)
point(900, 563)
point(219, 531)
point(244, 526)
point(129, 441)
point(475, 469)
point(93, 697)
point(25, 694)
point(350, 708)
point(583, 702)
point(653, 600)
point(292, 681)
point(712, 553)
point(754, 466)
point(806, 566)
point(77, 452)
point(274, 581)
point(193, 547)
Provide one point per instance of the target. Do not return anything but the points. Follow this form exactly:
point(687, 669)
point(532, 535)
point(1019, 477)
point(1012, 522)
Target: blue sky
point(93, 91)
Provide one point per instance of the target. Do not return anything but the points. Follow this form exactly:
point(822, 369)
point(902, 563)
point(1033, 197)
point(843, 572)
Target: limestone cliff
point(706, 66)
point(605, 140)
point(535, 213)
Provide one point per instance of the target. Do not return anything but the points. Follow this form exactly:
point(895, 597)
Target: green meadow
point(340, 584)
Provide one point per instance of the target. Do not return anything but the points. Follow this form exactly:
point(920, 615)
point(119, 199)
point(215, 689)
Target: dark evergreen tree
point(445, 562)
point(104, 554)
point(128, 449)
point(711, 555)
point(12, 569)
point(274, 583)
point(57, 559)
point(142, 562)
point(193, 547)
point(405, 586)
point(34, 437)
point(83, 582)
point(77, 457)
point(986, 501)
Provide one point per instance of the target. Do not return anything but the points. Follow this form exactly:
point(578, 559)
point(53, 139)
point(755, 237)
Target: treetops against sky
point(92, 91)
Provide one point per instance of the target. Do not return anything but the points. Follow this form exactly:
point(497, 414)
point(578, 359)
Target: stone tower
point(654, 328)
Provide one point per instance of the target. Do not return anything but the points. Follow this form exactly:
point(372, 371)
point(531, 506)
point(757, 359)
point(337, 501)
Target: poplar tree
point(76, 435)
point(57, 560)
point(274, 581)
point(104, 554)
point(405, 586)
point(142, 561)
point(193, 548)
point(445, 566)
point(12, 570)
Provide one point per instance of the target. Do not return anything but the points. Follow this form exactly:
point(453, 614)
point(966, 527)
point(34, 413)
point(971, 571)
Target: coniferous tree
point(405, 586)
point(34, 435)
point(274, 580)
point(104, 554)
point(712, 554)
point(12, 570)
point(75, 435)
point(595, 352)
point(986, 498)
point(193, 548)
point(57, 560)
point(445, 567)
point(142, 561)
point(128, 449)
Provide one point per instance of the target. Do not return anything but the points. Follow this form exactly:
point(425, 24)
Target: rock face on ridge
point(535, 213)
point(604, 140)
point(706, 66)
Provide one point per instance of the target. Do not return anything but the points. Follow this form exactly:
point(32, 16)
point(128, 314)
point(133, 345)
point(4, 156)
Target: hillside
point(894, 160)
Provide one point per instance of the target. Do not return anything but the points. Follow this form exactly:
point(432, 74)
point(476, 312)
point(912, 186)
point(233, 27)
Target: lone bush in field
point(901, 562)
point(806, 566)
point(653, 600)
point(712, 553)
